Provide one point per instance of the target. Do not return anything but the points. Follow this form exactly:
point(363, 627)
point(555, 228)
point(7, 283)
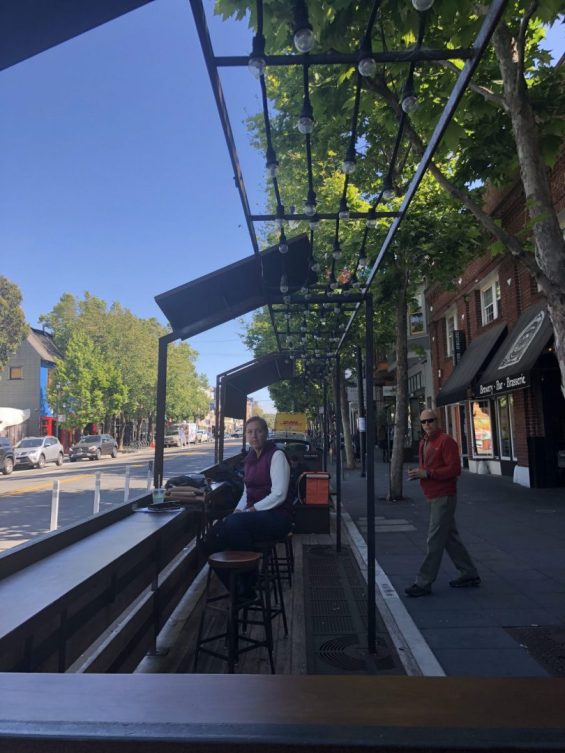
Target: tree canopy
point(13, 326)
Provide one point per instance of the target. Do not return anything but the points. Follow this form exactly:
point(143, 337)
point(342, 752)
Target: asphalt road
point(25, 495)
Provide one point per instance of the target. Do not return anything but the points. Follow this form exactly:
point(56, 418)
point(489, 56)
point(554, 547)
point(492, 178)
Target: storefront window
point(504, 405)
point(482, 429)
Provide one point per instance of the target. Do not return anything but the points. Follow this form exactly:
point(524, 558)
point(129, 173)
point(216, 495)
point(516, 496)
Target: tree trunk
point(548, 238)
point(122, 431)
point(346, 428)
point(401, 413)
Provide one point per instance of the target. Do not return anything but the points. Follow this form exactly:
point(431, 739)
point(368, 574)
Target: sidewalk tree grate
point(546, 644)
point(335, 611)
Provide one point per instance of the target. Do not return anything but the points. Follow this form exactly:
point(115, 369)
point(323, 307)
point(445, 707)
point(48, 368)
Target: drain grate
point(335, 617)
point(546, 644)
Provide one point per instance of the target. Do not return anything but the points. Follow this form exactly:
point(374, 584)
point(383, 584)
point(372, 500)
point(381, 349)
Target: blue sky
point(115, 175)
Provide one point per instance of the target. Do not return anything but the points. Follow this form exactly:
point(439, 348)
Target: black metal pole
point(337, 456)
point(371, 607)
point(325, 427)
point(361, 427)
point(222, 391)
point(160, 412)
point(217, 420)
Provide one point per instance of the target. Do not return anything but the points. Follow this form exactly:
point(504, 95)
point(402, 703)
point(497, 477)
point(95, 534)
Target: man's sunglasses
point(427, 420)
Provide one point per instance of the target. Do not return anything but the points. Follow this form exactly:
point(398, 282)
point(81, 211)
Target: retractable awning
point(511, 367)
point(253, 376)
point(478, 353)
point(28, 27)
point(237, 289)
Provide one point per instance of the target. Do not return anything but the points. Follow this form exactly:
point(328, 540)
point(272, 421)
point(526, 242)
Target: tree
point(13, 326)
point(79, 383)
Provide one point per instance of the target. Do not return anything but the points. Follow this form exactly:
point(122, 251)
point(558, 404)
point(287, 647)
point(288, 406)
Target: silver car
point(36, 451)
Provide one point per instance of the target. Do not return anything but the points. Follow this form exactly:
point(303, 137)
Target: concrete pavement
point(516, 537)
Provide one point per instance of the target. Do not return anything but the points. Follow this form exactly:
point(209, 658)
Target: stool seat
point(232, 560)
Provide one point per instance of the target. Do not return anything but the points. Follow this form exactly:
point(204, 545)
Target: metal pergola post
point(217, 420)
point(361, 418)
point(338, 455)
point(325, 427)
point(371, 607)
point(222, 418)
point(158, 468)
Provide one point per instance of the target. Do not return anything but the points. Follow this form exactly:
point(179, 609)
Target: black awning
point(240, 382)
point(237, 289)
point(511, 366)
point(472, 362)
point(28, 27)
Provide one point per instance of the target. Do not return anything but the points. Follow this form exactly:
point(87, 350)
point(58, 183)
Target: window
point(490, 302)
point(416, 318)
point(506, 439)
point(450, 326)
point(482, 429)
point(16, 372)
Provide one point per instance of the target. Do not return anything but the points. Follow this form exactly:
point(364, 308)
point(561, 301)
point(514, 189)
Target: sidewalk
point(516, 537)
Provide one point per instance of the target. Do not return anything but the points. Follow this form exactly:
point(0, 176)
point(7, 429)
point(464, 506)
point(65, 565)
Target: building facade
point(25, 379)
point(495, 374)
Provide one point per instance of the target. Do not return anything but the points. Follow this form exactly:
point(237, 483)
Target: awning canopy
point(28, 27)
point(250, 377)
point(511, 367)
point(236, 289)
point(472, 362)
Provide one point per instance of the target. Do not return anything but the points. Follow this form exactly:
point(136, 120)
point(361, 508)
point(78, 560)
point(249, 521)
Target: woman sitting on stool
point(264, 512)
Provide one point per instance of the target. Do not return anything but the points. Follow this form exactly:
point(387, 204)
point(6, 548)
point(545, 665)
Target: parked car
point(202, 435)
point(37, 451)
point(93, 447)
point(6, 456)
point(173, 438)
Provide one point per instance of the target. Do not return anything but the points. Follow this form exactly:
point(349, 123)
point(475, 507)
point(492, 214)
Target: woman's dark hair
point(261, 421)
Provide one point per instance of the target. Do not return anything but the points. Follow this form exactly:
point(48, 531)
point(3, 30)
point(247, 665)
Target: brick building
point(496, 377)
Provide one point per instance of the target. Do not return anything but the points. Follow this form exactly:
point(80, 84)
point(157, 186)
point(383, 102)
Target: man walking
point(438, 470)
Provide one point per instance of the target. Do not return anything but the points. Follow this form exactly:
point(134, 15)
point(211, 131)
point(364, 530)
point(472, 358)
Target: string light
point(343, 213)
point(409, 101)
point(371, 219)
point(422, 5)
point(388, 189)
point(256, 63)
point(271, 163)
point(310, 204)
point(367, 65)
point(303, 32)
point(279, 218)
point(336, 251)
point(283, 245)
point(306, 120)
point(349, 164)
point(313, 222)
point(284, 284)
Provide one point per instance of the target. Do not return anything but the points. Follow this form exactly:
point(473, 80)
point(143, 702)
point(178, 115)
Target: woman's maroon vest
point(257, 477)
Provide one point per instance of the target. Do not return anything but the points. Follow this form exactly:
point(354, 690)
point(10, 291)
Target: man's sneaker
point(416, 590)
point(465, 582)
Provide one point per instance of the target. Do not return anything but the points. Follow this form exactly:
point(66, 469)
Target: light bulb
point(348, 166)
point(313, 222)
point(336, 251)
point(343, 213)
point(337, 308)
point(410, 103)
point(314, 266)
point(388, 190)
point(279, 219)
point(286, 299)
point(367, 66)
point(256, 67)
point(273, 168)
point(422, 5)
point(283, 245)
point(371, 219)
point(362, 263)
point(304, 39)
point(284, 284)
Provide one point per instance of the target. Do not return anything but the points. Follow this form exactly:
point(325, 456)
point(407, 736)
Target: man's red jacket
point(442, 463)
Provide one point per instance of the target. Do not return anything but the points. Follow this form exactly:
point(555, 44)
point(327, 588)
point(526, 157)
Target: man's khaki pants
point(443, 534)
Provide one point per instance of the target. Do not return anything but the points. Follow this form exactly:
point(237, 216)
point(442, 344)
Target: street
point(25, 496)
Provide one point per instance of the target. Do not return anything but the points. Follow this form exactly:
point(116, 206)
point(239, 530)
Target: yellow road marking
point(39, 487)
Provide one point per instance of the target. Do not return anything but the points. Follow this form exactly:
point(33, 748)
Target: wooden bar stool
point(270, 581)
point(286, 561)
point(234, 564)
